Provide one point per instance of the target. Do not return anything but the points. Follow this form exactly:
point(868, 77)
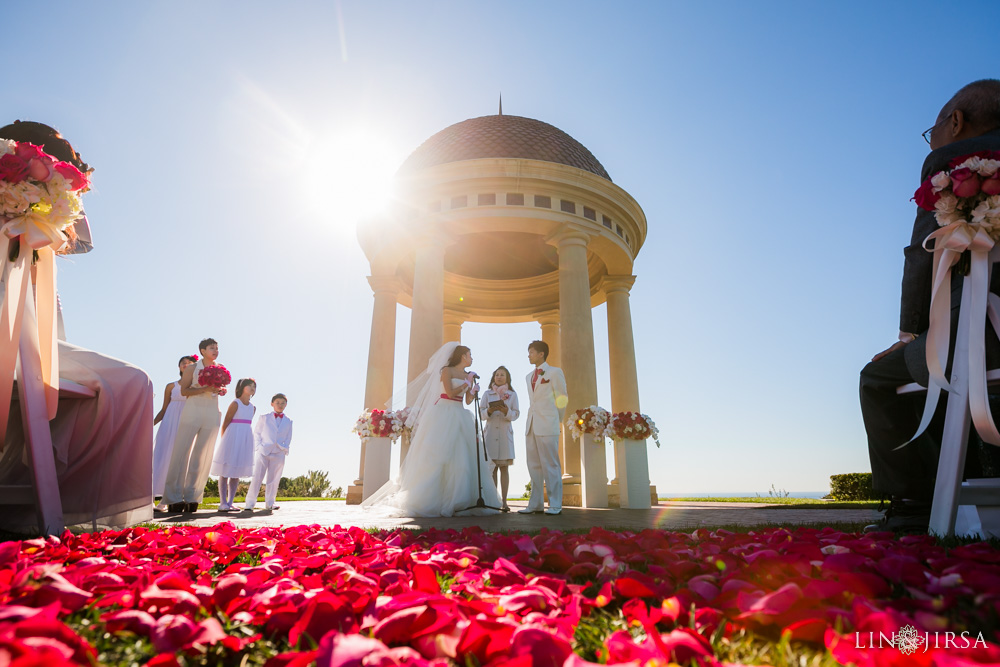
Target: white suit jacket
point(272, 435)
point(543, 415)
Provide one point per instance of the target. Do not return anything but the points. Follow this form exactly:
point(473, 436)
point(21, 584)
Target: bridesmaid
point(169, 415)
point(196, 433)
point(499, 408)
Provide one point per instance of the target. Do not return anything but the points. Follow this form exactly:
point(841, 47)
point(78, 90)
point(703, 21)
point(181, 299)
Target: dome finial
point(501, 104)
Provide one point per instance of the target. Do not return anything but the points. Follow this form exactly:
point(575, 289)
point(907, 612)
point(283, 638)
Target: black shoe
point(177, 507)
point(191, 508)
point(904, 516)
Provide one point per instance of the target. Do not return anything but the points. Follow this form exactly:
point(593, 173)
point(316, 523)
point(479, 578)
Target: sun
point(348, 176)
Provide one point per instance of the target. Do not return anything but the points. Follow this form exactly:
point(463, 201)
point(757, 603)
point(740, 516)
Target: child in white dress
point(234, 457)
point(499, 408)
point(168, 417)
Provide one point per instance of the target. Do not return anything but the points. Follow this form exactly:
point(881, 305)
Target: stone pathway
point(668, 515)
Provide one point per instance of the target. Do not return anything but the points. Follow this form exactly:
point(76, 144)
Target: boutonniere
point(541, 372)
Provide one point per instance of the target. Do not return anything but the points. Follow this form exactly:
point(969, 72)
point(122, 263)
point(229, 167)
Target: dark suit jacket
point(915, 301)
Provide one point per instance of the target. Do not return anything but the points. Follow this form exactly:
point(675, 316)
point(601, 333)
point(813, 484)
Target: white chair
point(950, 491)
point(43, 492)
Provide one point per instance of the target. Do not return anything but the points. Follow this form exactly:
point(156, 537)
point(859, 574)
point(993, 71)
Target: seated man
point(968, 123)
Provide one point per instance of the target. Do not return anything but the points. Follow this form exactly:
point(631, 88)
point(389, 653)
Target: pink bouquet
point(215, 376)
point(968, 192)
point(39, 195)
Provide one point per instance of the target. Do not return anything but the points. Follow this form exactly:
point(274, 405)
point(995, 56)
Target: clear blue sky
point(773, 146)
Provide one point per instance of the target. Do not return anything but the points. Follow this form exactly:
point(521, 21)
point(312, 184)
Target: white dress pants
point(267, 468)
point(543, 466)
point(194, 446)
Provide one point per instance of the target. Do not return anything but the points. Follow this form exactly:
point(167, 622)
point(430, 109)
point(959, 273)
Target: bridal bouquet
point(381, 424)
point(215, 376)
point(967, 192)
point(588, 420)
point(39, 195)
point(632, 426)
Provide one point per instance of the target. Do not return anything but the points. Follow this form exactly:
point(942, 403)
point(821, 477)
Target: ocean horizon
point(741, 494)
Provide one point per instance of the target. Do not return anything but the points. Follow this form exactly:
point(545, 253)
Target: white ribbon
point(950, 243)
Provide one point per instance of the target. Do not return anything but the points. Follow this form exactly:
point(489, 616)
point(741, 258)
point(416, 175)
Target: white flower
point(980, 212)
point(946, 204)
point(940, 181)
point(6, 146)
point(973, 164)
point(988, 167)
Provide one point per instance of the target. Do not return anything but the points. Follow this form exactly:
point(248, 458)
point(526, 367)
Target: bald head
point(972, 111)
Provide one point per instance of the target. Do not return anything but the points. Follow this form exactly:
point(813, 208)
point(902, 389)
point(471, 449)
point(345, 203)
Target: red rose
point(925, 195)
point(13, 169)
point(991, 185)
point(964, 182)
point(41, 169)
point(77, 178)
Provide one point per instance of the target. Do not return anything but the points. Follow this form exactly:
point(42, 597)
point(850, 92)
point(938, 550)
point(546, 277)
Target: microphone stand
point(480, 503)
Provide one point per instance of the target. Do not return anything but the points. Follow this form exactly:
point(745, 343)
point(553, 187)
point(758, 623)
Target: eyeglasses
point(927, 133)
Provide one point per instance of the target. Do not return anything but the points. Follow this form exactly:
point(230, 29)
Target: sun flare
point(349, 176)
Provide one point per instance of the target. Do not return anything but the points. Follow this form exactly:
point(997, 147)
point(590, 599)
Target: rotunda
point(508, 219)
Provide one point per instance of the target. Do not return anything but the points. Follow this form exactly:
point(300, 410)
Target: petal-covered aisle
point(298, 595)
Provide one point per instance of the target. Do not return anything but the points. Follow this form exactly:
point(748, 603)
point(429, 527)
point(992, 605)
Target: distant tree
point(212, 488)
point(527, 490)
point(337, 493)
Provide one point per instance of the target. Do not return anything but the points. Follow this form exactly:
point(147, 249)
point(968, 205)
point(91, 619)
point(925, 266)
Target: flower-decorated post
point(39, 202)
point(630, 430)
point(586, 427)
point(377, 429)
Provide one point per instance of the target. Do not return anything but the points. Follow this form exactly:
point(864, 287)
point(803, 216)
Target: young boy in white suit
point(547, 393)
point(272, 436)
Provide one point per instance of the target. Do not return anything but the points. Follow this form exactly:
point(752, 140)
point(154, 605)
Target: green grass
point(797, 503)
point(213, 502)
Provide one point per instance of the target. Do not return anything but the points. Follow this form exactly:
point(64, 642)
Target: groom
point(546, 384)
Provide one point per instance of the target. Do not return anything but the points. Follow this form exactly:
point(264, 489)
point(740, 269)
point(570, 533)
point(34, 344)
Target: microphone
point(475, 375)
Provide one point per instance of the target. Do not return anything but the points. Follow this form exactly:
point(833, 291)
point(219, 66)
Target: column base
point(572, 495)
point(354, 494)
point(614, 498)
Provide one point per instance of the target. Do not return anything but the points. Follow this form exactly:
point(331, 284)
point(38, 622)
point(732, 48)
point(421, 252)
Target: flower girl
point(168, 417)
point(498, 409)
point(234, 457)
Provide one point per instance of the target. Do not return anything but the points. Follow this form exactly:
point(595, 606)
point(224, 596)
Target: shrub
point(852, 486)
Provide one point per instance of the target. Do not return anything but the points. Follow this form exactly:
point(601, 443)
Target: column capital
point(385, 284)
point(613, 284)
point(547, 318)
point(571, 234)
point(454, 317)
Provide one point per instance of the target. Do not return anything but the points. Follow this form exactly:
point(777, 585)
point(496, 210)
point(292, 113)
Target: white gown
point(438, 475)
point(164, 443)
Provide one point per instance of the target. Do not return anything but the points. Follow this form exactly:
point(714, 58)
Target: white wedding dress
point(438, 475)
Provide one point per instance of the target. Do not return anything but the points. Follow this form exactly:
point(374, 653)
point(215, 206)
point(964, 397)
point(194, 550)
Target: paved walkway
point(668, 515)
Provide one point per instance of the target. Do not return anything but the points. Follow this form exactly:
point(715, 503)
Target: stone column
point(586, 465)
point(427, 316)
point(621, 350)
point(453, 322)
point(381, 358)
point(624, 378)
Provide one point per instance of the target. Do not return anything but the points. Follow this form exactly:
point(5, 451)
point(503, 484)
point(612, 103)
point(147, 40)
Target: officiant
point(499, 408)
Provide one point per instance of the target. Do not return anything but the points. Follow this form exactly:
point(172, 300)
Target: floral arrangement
point(968, 192)
point(632, 426)
point(302, 595)
point(381, 424)
point(39, 194)
point(215, 376)
point(588, 420)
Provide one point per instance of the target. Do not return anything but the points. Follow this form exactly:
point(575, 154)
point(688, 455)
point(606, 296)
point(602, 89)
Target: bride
point(438, 475)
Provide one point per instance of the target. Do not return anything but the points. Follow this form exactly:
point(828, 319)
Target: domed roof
point(504, 137)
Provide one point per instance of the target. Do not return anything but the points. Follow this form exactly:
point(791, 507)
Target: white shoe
point(552, 512)
point(273, 507)
point(223, 507)
point(527, 510)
